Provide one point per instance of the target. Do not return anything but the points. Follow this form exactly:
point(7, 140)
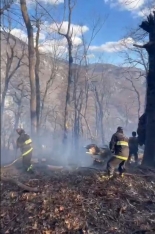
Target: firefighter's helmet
point(20, 131)
point(120, 129)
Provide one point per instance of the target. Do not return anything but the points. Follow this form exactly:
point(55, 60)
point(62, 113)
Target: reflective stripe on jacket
point(121, 157)
point(27, 152)
point(28, 142)
point(120, 145)
point(24, 142)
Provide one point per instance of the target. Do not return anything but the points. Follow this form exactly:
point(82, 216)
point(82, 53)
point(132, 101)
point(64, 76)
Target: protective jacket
point(24, 142)
point(100, 154)
point(119, 145)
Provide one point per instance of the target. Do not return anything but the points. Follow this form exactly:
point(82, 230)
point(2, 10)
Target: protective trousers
point(113, 163)
point(27, 161)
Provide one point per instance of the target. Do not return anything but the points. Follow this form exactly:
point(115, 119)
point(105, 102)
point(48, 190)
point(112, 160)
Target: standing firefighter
point(119, 147)
point(24, 142)
point(133, 147)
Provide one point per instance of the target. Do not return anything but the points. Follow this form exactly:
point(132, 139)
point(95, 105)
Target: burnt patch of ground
point(80, 202)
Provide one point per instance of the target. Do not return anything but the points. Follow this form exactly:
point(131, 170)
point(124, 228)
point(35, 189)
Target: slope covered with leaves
point(80, 202)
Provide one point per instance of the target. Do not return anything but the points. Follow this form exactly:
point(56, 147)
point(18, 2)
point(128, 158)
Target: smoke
point(56, 152)
point(50, 147)
point(7, 156)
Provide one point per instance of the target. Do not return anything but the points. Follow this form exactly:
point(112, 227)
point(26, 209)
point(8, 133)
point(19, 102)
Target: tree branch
point(145, 46)
point(19, 184)
point(5, 7)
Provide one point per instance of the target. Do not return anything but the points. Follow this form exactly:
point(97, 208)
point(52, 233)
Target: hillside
point(120, 102)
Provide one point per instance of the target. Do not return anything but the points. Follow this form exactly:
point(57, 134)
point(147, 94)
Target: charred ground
point(79, 201)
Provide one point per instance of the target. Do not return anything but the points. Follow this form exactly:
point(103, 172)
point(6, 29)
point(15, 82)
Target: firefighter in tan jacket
point(120, 148)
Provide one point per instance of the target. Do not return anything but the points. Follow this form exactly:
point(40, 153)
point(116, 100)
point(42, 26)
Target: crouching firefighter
point(24, 143)
point(102, 153)
point(120, 148)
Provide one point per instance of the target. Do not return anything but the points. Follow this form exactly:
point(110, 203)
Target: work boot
point(107, 176)
point(121, 175)
point(30, 169)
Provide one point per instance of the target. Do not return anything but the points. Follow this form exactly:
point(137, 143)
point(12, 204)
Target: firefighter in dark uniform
point(24, 143)
point(102, 153)
point(120, 148)
point(133, 147)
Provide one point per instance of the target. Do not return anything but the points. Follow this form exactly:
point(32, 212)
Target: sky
point(116, 19)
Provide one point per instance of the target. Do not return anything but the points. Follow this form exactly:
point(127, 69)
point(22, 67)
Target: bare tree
point(49, 83)
point(13, 60)
point(18, 93)
point(68, 35)
point(132, 77)
point(133, 56)
point(102, 93)
point(37, 21)
point(5, 5)
point(149, 153)
point(37, 66)
point(31, 53)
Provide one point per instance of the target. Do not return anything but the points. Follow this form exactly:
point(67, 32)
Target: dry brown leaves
point(79, 202)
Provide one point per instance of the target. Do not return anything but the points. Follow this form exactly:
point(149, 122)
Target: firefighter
point(24, 143)
point(101, 153)
point(133, 147)
point(120, 148)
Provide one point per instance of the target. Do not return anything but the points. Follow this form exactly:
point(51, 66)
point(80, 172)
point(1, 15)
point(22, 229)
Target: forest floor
point(79, 201)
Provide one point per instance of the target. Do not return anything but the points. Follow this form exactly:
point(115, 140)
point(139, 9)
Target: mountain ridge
point(108, 79)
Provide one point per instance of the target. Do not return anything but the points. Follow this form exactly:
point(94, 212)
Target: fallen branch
point(19, 184)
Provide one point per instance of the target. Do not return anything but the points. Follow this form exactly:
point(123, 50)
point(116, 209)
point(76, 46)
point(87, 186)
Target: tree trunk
point(37, 77)
point(149, 154)
point(69, 92)
point(31, 56)
point(3, 98)
point(101, 127)
point(100, 116)
point(70, 87)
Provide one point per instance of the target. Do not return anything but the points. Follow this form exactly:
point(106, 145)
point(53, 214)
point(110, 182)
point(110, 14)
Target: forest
point(60, 87)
